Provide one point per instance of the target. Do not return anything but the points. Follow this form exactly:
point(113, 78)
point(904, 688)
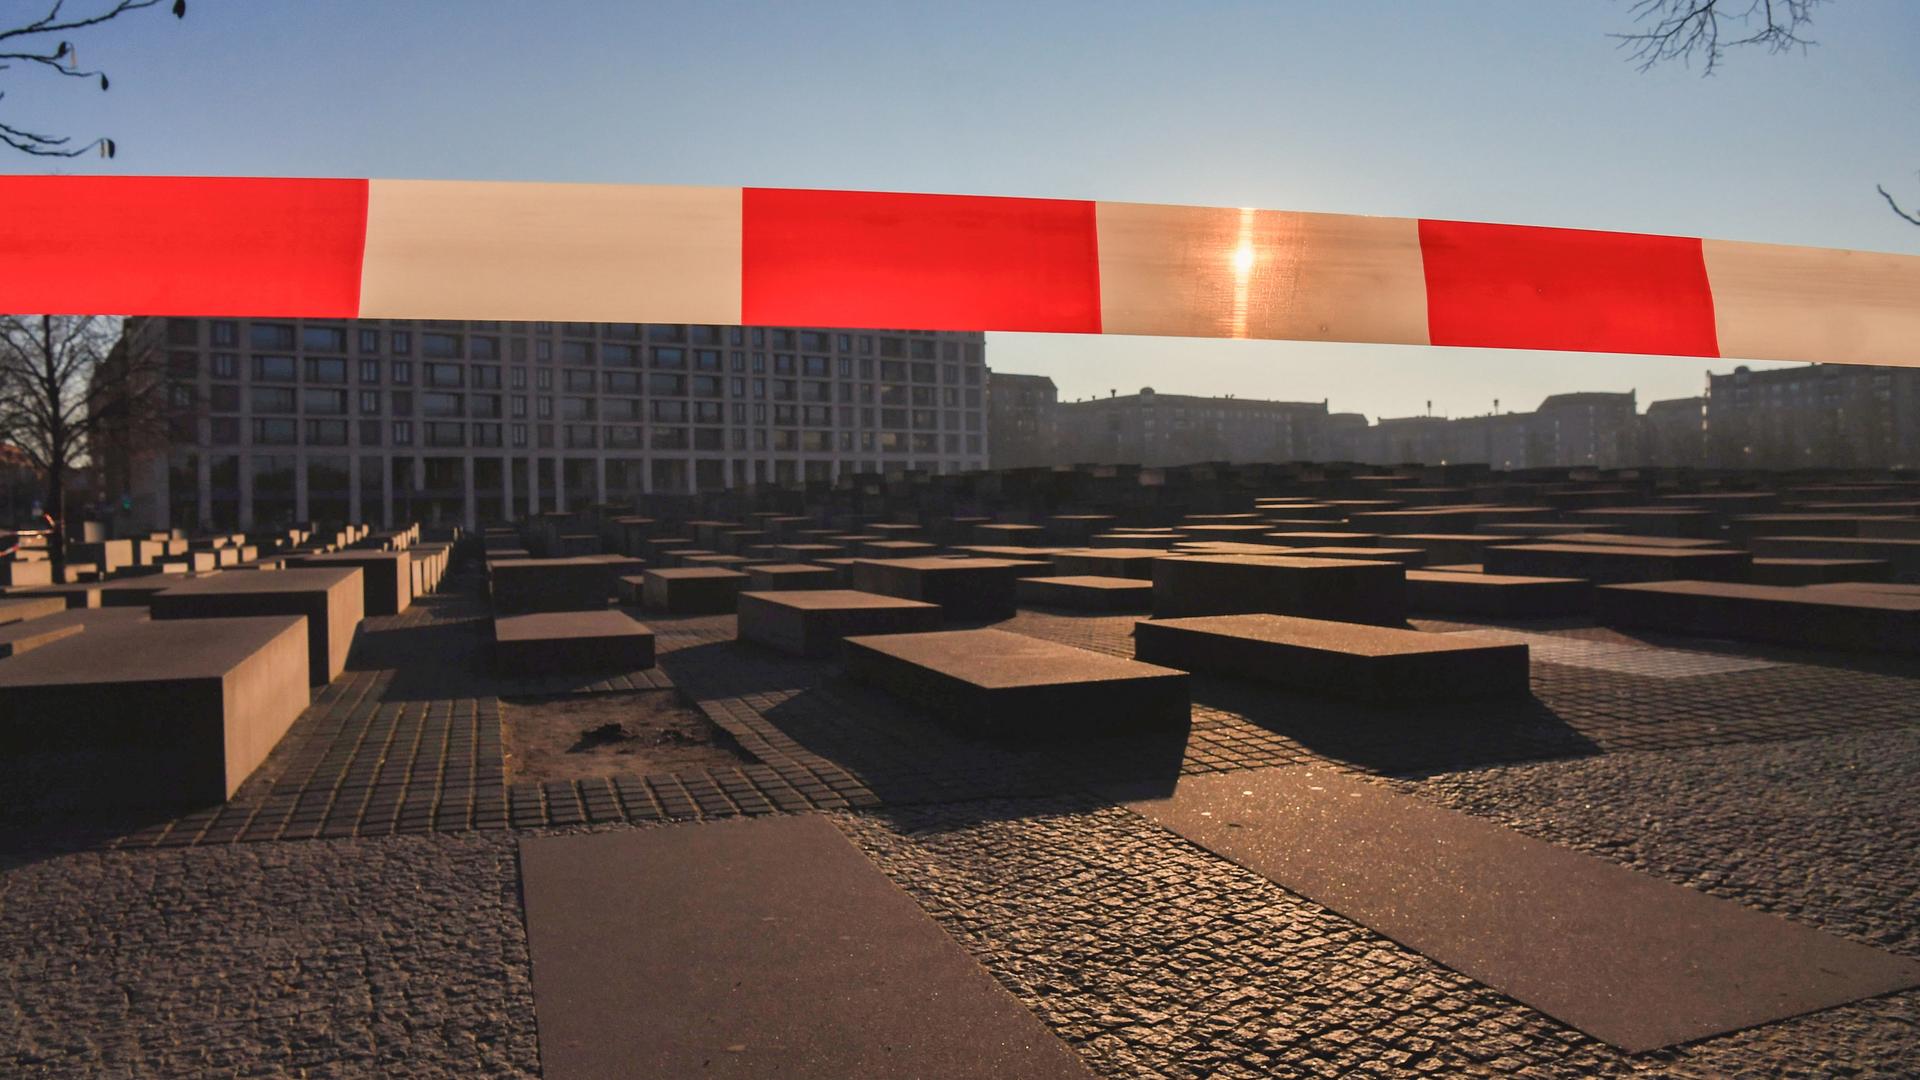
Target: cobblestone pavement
point(355, 911)
point(401, 956)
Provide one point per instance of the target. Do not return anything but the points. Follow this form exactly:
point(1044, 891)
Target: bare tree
point(1703, 30)
point(32, 44)
point(69, 388)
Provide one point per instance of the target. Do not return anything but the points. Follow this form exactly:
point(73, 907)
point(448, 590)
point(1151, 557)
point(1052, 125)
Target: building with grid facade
point(390, 421)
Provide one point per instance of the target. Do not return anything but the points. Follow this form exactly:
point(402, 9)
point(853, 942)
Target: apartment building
point(390, 420)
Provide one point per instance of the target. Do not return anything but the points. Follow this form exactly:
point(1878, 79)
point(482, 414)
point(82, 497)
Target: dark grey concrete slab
point(1500, 595)
point(1108, 562)
point(1010, 685)
point(1630, 959)
point(1609, 565)
point(751, 949)
point(1781, 614)
point(331, 600)
point(771, 577)
point(812, 622)
point(1087, 592)
point(544, 642)
point(1352, 660)
point(135, 713)
point(1372, 592)
point(691, 590)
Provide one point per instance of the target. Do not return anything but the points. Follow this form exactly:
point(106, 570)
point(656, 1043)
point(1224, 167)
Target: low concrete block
point(1789, 571)
point(1344, 589)
point(332, 601)
point(15, 573)
point(1903, 554)
point(387, 576)
point(1497, 595)
point(769, 577)
point(1340, 659)
point(579, 583)
point(964, 588)
point(1605, 565)
point(1108, 562)
point(133, 713)
point(1823, 618)
point(548, 642)
point(691, 590)
point(812, 622)
point(1086, 592)
point(1010, 685)
point(20, 608)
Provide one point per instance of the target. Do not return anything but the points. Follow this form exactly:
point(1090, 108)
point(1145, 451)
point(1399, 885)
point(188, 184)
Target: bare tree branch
point(1684, 30)
point(59, 58)
point(1912, 217)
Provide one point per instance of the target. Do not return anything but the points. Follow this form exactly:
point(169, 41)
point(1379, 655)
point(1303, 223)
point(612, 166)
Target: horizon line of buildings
point(1817, 415)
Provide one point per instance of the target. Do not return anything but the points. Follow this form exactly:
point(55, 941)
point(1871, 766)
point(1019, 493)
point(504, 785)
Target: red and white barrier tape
point(425, 249)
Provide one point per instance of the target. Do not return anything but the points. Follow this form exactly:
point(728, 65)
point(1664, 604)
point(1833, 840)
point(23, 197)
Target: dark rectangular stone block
point(1496, 595)
point(1604, 565)
point(331, 600)
point(386, 576)
point(577, 583)
point(776, 576)
point(1108, 562)
point(1010, 685)
point(691, 590)
point(964, 588)
point(21, 607)
point(1781, 570)
point(1350, 660)
point(1353, 591)
point(813, 622)
point(1856, 620)
point(571, 642)
point(134, 713)
point(1903, 554)
point(1087, 593)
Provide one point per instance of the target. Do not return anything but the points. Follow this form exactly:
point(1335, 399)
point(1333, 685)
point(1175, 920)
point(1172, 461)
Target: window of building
point(483, 348)
point(446, 433)
point(432, 404)
point(326, 369)
point(486, 378)
point(400, 342)
point(275, 432)
point(274, 369)
point(576, 352)
point(224, 333)
point(369, 342)
point(669, 358)
point(708, 412)
point(576, 408)
point(486, 434)
point(707, 360)
point(327, 339)
point(324, 402)
point(582, 436)
point(326, 433)
point(369, 402)
point(270, 335)
point(445, 375)
point(674, 412)
point(519, 433)
point(484, 407)
point(272, 399)
point(369, 433)
point(578, 382)
point(621, 382)
point(403, 433)
point(706, 386)
point(667, 332)
point(620, 355)
point(440, 347)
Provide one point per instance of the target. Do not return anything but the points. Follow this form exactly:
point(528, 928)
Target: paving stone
point(1635, 961)
point(756, 948)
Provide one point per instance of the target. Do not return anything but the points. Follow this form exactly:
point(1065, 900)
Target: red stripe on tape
point(1526, 287)
point(932, 262)
point(166, 245)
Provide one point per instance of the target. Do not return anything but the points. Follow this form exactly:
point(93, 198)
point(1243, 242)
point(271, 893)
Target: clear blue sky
point(1505, 110)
